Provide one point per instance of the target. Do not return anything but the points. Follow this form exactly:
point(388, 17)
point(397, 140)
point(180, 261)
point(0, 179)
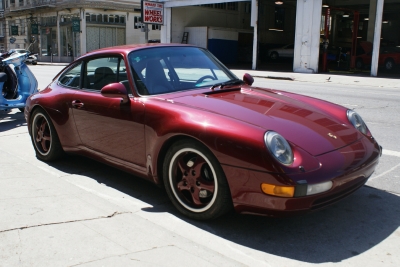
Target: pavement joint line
point(391, 153)
point(384, 173)
point(73, 221)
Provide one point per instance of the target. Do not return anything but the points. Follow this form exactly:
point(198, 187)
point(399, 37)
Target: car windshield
point(171, 69)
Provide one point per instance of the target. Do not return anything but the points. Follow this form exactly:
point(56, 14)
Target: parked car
point(286, 51)
point(389, 57)
point(32, 58)
point(174, 115)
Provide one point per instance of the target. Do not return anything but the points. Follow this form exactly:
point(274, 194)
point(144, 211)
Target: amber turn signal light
point(277, 190)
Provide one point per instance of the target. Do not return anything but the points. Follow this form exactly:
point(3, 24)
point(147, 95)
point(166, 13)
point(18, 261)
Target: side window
point(72, 77)
point(100, 71)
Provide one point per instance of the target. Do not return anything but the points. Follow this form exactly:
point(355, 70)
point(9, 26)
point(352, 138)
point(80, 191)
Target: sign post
point(152, 13)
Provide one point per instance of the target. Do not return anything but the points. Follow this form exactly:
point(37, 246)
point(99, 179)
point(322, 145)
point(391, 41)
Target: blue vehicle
point(17, 82)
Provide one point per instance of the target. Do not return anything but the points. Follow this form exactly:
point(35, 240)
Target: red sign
point(152, 12)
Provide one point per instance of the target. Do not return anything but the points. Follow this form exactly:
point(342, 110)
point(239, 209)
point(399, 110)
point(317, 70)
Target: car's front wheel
point(44, 137)
point(195, 181)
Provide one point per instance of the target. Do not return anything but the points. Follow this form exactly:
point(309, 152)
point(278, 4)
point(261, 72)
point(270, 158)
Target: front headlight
point(279, 147)
point(357, 121)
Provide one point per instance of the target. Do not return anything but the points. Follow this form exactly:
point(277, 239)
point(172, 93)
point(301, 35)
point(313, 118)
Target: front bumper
point(348, 168)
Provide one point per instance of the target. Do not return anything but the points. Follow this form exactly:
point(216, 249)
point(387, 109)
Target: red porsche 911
point(173, 114)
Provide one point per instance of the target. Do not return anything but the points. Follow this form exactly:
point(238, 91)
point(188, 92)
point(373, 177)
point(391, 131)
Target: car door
point(106, 125)
point(60, 108)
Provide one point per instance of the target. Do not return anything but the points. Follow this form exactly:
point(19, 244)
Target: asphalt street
point(78, 212)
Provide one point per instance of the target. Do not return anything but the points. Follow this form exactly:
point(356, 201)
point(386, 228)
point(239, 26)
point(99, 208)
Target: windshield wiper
point(231, 82)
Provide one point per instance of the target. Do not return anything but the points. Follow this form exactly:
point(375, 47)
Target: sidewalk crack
point(72, 221)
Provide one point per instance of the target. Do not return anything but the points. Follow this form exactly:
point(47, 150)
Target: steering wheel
point(205, 77)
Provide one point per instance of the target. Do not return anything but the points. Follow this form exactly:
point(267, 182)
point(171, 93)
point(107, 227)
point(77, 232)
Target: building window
point(220, 6)
point(49, 21)
point(21, 2)
point(104, 18)
point(138, 23)
point(233, 6)
point(111, 19)
point(155, 27)
point(208, 5)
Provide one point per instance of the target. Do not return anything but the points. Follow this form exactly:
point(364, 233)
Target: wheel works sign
point(152, 12)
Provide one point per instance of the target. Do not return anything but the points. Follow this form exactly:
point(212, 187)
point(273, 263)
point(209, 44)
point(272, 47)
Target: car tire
point(389, 64)
point(22, 110)
point(274, 55)
point(44, 137)
point(34, 62)
point(359, 64)
point(195, 182)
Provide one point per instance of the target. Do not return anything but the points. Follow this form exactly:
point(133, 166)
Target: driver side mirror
point(248, 79)
point(115, 90)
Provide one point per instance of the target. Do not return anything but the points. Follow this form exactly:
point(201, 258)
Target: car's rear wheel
point(389, 64)
point(34, 62)
point(195, 181)
point(274, 55)
point(44, 137)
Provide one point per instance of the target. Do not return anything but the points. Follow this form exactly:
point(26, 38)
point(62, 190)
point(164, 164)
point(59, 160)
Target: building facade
point(61, 30)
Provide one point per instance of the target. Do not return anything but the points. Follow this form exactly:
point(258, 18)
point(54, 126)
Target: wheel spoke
point(209, 186)
point(44, 145)
point(196, 197)
point(198, 164)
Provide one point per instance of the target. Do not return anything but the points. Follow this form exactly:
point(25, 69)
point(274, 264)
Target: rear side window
point(100, 72)
point(72, 77)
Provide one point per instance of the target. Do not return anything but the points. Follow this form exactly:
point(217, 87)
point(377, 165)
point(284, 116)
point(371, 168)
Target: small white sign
point(152, 12)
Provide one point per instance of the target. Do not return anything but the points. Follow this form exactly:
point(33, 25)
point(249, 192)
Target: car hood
point(300, 123)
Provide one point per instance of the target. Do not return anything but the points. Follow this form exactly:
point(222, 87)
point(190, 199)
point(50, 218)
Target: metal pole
point(356, 19)
point(146, 33)
point(326, 41)
point(377, 38)
point(254, 17)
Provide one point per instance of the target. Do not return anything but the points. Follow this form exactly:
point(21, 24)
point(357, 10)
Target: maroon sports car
point(173, 114)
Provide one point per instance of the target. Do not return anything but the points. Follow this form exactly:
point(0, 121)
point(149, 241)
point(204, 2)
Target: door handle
point(77, 104)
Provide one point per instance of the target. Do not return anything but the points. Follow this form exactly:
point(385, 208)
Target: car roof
point(125, 49)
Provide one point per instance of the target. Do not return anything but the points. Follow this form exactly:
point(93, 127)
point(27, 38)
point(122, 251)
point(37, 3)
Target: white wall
point(193, 16)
